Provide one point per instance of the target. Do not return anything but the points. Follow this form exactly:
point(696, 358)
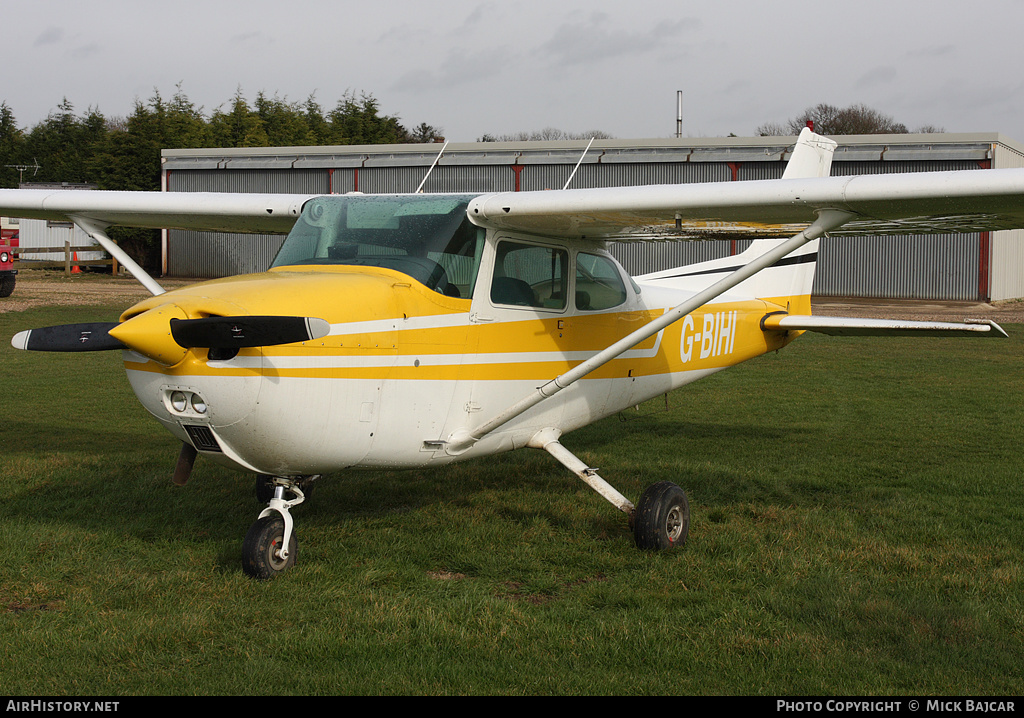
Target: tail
point(812, 157)
point(789, 281)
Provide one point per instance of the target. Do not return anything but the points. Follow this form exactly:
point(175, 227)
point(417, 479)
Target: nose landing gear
point(270, 546)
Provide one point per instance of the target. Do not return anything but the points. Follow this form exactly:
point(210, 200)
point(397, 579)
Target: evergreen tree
point(124, 153)
point(12, 148)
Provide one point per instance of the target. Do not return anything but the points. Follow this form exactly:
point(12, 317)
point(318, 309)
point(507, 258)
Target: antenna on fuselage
point(436, 160)
point(578, 163)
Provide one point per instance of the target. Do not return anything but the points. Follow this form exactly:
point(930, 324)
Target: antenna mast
point(578, 163)
point(436, 160)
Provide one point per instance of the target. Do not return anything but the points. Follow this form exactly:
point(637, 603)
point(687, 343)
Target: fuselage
point(405, 367)
point(436, 327)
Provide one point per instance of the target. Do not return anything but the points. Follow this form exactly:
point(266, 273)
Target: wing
point(911, 203)
point(94, 211)
point(213, 211)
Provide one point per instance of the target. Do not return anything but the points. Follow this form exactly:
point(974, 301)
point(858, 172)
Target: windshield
point(427, 237)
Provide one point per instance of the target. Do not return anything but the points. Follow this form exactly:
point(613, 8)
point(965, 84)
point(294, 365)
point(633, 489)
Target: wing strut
point(97, 232)
point(827, 220)
point(547, 439)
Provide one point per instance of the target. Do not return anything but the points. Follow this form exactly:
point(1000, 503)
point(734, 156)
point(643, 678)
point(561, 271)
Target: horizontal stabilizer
point(91, 337)
point(854, 326)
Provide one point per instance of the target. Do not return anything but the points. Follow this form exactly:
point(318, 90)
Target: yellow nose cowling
point(149, 334)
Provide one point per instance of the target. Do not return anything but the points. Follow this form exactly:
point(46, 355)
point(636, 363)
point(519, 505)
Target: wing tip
point(994, 328)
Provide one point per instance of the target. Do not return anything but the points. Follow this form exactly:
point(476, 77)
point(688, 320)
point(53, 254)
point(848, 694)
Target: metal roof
point(858, 148)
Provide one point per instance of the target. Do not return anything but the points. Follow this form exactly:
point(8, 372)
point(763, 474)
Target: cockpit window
point(529, 275)
point(427, 237)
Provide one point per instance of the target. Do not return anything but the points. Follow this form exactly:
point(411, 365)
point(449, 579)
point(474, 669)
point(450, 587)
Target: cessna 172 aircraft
point(399, 331)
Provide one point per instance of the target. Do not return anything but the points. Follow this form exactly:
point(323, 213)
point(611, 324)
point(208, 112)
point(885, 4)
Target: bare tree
point(832, 120)
point(548, 133)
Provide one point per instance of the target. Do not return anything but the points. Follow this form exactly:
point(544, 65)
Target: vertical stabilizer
point(788, 282)
point(791, 280)
point(812, 156)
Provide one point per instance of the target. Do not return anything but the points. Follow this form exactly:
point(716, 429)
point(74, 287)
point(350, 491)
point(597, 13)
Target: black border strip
point(785, 262)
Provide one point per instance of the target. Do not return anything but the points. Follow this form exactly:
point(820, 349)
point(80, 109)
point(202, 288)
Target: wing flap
point(856, 326)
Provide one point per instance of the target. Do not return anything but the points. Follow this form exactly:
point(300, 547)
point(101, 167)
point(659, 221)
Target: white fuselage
point(404, 368)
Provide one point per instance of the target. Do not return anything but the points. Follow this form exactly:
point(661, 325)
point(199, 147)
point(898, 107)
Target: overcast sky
point(484, 66)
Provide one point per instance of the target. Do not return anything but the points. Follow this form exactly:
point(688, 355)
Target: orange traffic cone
point(75, 269)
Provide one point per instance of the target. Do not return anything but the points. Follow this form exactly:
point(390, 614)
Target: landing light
point(186, 402)
point(178, 402)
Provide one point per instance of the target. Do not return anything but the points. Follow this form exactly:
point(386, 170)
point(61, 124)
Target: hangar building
point(976, 267)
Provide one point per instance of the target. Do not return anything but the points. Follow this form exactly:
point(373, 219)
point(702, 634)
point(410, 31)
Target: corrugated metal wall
point(935, 267)
point(943, 267)
point(218, 254)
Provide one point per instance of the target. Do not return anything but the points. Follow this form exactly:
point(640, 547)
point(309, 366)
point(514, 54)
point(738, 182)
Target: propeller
point(164, 336)
point(239, 332)
point(150, 335)
point(68, 338)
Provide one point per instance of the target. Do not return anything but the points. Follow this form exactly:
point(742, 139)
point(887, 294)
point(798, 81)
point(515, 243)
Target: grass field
point(857, 529)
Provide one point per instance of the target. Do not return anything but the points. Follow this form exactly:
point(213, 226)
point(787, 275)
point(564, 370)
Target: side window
point(526, 275)
point(598, 283)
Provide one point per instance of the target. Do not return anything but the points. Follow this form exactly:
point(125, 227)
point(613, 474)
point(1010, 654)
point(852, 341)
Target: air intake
point(202, 438)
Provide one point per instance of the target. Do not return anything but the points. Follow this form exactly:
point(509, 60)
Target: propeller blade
point(91, 337)
point(246, 331)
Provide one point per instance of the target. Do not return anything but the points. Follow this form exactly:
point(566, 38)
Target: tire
point(662, 518)
point(259, 549)
point(7, 285)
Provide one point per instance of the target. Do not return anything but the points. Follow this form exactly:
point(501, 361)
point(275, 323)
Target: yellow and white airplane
point(399, 331)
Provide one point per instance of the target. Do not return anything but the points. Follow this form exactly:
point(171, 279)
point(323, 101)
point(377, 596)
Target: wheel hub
point(674, 524)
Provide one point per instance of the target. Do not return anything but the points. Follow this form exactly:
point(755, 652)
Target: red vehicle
point(7, 271)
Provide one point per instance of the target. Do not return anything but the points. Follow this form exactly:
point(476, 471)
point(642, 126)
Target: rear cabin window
point(598, 283)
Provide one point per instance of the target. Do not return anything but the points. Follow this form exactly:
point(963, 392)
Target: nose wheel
point(270, 546)
point(263, 554)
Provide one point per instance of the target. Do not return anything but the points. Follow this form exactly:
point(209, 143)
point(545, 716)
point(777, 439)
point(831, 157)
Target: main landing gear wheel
point(662, 518)
point(261, 549)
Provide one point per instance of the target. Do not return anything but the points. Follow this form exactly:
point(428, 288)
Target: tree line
point(123, 153)
point(831, 120)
